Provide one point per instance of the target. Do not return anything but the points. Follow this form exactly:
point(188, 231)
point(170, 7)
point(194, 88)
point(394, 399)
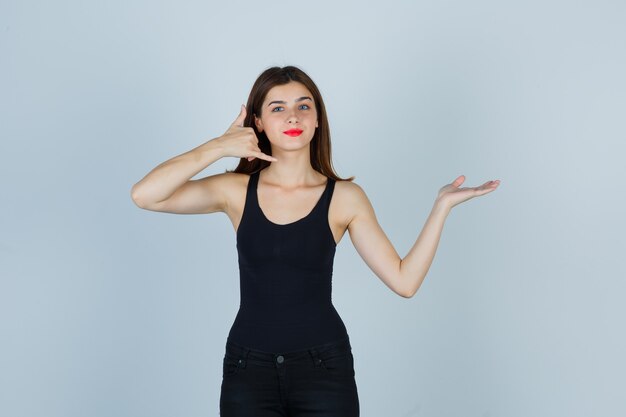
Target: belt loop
point(244, 357)
point(315, 356)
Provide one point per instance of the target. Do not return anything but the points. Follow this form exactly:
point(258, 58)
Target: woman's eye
point(306, 107)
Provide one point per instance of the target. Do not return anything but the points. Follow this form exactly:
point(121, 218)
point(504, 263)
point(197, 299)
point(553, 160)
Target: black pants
point(314, 382)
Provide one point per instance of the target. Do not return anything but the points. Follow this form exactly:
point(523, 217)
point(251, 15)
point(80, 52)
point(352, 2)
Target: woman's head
point(320, 147)
point(287, 117)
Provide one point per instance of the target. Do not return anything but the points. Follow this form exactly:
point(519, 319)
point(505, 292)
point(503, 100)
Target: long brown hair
point(320, 154)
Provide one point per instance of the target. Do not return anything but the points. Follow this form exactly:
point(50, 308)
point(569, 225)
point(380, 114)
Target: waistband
point(329, 349)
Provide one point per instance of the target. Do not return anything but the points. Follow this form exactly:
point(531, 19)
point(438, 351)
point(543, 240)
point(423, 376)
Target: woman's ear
point(258, 123)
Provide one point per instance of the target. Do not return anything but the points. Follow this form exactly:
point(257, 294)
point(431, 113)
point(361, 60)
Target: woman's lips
point(293, 132)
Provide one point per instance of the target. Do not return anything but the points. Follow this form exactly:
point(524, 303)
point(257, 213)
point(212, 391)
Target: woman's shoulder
point(350, 198)
point(234, 184)
point(229, 178)
point(348, 188)
point(237, 176)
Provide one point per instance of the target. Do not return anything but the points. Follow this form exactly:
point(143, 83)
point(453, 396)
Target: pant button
point(280, 359)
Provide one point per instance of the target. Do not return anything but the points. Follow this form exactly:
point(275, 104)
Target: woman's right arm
point(169, 188)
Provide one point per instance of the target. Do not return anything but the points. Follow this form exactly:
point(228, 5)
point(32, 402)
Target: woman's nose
point(292, 117)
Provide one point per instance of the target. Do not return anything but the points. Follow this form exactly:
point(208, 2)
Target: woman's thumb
point(242, 116)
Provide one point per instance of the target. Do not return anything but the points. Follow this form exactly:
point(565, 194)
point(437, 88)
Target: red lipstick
point(293, 132)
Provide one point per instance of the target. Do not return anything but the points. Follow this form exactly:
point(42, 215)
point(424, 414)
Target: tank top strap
point(252, 212)
point(327, 196)
point(252, 187)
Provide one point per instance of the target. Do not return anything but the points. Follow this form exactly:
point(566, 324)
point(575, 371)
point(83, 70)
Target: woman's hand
point(241, 141)
point(450, 195)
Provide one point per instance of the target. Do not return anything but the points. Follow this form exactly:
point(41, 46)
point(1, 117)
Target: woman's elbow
point(137, 198)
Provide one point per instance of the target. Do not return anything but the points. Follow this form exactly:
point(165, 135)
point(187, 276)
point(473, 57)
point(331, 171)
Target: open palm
point(452, 194)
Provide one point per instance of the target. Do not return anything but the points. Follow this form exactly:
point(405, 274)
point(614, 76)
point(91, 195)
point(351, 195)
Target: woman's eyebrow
point(284, 102)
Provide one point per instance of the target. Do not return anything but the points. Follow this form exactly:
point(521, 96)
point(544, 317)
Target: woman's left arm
point(405, 276)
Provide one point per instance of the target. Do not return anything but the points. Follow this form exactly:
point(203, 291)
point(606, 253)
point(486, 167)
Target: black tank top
point(285, 278)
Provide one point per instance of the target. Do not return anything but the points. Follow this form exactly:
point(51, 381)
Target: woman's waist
point(288, 333)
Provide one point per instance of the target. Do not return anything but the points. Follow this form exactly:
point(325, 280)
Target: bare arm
point(163, 181)
point(169, 187)
point(405, 276)
point(415, 265)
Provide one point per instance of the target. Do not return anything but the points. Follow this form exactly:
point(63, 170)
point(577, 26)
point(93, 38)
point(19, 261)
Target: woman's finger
point(262, 156)
point(241, 117)
point(458, 181)
point(266, 157)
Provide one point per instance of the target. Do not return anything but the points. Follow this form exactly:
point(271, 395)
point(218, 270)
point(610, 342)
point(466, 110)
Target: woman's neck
point(292, 170)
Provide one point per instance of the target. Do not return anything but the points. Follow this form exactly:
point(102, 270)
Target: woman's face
point(288, 116)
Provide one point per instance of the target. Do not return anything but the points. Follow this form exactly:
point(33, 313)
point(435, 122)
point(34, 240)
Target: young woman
point(288, 351)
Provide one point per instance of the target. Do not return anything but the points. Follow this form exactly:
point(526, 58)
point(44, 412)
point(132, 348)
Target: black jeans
point(314, 382)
